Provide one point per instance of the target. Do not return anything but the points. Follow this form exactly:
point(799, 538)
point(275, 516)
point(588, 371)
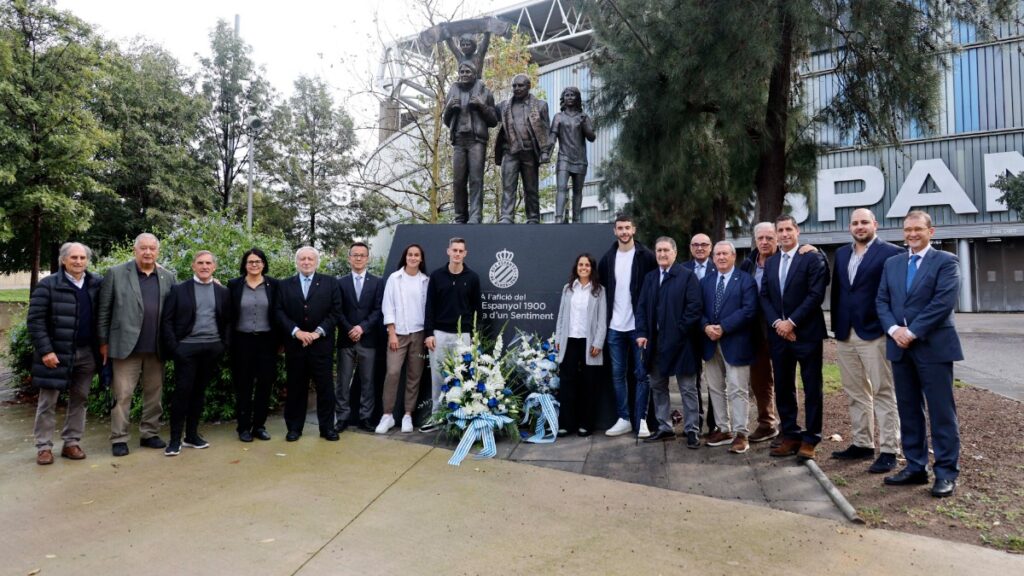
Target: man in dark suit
point(916, 298)
point(701, 264)
point(730, 297)
point(194, 328)
point(358, 330)
point(792, 290)
point(666, 314)
point(860, 344)
point(307, 310)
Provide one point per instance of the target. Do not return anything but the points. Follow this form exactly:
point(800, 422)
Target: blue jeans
point(620, 345)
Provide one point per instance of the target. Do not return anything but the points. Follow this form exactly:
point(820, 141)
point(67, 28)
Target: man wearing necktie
point(701, 264)
point(917, 295)
point(728, 346)
point(359, 328)
point(668, 310)
point(308, 309)
point(792, 290)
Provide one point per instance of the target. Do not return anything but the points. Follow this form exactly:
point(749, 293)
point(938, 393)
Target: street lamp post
point(253, 125)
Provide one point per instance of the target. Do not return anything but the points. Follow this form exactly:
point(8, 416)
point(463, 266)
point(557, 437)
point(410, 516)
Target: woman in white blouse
point(405, 299)
point(579, 338)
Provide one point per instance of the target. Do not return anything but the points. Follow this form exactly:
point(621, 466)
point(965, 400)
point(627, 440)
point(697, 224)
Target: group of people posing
point(743, 328)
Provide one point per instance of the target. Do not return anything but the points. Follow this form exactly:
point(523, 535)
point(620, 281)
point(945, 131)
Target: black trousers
point(578, 393)
point(785, 357)
point(314, 363)
point(254, 371)
point(194, 365)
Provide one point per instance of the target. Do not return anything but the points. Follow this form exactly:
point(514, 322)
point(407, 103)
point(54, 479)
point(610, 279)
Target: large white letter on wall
point(828, 200)
point(997, 165)
point(950, 192)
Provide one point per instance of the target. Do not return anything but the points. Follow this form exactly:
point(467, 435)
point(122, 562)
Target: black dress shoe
point(884, 463)
point(292, 436)
point(341, 427)
point(365, 426)
point(943, 488)
point(119, 449)
point(152, 442)
point(261, 433)
point(661, 436)
point(583, 433)
point(854, 452)
point(907, 477)
point(245, 436)
point(329, 435)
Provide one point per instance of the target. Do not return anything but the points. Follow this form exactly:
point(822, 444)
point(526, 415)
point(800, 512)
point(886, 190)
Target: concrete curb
point(840, 501)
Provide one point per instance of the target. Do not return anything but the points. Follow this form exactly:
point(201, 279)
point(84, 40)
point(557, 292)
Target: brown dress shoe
point(764, 433)
point(44, 457)
point(788, 447)
point(806, 451)
point(739, 445)
point(73, 452)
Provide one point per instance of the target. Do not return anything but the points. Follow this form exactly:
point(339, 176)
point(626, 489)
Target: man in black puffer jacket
point(62, 325)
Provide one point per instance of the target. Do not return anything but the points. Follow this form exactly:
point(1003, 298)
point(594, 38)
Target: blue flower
point(452, 406)
point(552, 357)
point(481, 387)
point(472, 371)
point(467, 357)
point(492, 402)
point(444, 388)
point(545, 346)
point(456, 382)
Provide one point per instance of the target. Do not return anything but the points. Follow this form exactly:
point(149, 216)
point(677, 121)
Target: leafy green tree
point(50, 63)
point(153, 165)
point(682, 78)
point(234, 89)
point(313, 142)
point(1012, 186)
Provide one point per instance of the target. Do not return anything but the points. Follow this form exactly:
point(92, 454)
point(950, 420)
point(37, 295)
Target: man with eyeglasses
point(700, 263)
point(362, 294)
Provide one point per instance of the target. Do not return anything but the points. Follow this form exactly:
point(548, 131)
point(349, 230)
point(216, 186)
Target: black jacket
point(179, 314)
point(364, 311)
point(235, 288)
point(52, 323)
point(643, 262)
point(320, 309)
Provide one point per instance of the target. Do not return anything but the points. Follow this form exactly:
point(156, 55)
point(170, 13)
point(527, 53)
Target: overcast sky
point(337, 40)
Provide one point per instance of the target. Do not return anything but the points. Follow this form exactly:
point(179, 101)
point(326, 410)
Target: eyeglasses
point(254, 262)
point(700, 245)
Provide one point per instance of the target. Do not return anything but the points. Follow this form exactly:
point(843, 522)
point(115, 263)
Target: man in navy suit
point(916, 298)
point(860, 344)
point(308, 308)
point(701, 264)
point(362, 294)
point(730, 307)
point(792, 291)
point(666, 314)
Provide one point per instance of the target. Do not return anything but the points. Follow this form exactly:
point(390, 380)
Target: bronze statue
point(468, 113)
point(467, 49)
point(569, 128)
point(523, 144)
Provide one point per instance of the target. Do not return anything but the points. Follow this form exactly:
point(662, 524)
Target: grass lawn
point(16, 295)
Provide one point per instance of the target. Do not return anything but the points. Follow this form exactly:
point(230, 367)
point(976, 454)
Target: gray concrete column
point(963, 252)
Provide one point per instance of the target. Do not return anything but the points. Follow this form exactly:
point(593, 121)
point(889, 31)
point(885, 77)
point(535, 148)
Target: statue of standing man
point(523, 144)
point(571, 128)
point(468, 113)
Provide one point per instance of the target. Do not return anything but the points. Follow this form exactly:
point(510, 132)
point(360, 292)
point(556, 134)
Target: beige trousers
point(867, 381)
point(410, 353)
point(126, 377)
point(729, 389)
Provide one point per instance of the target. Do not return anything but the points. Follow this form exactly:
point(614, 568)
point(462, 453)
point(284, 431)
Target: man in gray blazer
point(128, 323)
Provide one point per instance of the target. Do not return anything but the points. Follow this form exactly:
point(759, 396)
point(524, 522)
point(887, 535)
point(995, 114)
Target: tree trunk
point(718, 216)
point(770, 179)
point(37, 242)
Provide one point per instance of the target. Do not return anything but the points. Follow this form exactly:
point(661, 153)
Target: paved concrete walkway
point(369, 505)
point(992, 352)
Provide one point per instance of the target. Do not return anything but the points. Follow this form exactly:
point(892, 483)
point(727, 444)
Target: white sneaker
point(407, 423)
point(621, 427)
point(387, 422)
point(644, 432)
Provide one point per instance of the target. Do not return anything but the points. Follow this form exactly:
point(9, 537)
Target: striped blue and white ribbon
point(480, 427)
point(547, 417)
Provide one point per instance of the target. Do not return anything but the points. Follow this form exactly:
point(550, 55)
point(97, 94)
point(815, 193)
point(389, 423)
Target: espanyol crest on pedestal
point(504, 273)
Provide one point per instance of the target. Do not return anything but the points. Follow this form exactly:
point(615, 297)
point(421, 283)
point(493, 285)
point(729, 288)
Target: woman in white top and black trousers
point(405, 299)
point(579, 337)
